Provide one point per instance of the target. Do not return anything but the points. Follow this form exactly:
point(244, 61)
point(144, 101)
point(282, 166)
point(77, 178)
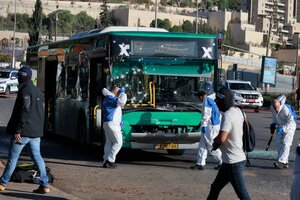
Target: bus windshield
point(164, 85)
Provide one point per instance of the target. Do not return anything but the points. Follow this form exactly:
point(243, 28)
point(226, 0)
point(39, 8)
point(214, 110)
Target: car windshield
point(240, 86)
point(4, 74)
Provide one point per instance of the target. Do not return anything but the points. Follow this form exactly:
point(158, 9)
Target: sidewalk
point(24, 191)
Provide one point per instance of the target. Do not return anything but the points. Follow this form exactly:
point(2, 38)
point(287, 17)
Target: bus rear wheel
point(177, 152)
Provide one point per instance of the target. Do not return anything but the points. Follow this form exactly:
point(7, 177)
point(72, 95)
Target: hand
point(122, 90)
point(279, 130)
point(272, 128)
point(18, 137)
point(203, 129)
point(122, 124)
point(215, 146)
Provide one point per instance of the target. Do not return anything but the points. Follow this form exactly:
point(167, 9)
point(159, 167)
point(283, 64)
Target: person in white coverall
point(112, 113)
point(286, 126)
point(295, 191)
point(210, 127)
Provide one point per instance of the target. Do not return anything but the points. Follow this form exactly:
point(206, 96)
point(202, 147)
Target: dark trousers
point(233, 173)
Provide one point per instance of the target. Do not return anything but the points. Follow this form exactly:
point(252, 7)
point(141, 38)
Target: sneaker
point(2, 188)
point(280, 165)
point(42, 190)
point(108, 164)
point(198, 167)
point(217, 167)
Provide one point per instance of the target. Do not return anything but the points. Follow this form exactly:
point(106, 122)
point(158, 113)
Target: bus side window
point(72, 78)
point(83, 78)
point(61, 80)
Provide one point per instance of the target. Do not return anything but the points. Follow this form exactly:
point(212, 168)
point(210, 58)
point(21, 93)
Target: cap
point(25, 72)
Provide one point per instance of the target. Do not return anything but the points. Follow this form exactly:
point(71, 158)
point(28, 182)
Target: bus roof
point(126, 31)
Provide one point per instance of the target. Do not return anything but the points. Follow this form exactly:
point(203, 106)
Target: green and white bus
point(161, 72)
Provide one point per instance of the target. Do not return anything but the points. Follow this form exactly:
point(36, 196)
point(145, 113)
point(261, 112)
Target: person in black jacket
point(26, 128)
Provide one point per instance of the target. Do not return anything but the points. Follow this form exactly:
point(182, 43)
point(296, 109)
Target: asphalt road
point(153, 174)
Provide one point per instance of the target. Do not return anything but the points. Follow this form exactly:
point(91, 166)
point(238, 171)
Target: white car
point(8, 81)
point(244, 94)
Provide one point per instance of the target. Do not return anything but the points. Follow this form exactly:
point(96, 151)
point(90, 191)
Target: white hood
point(106, 92)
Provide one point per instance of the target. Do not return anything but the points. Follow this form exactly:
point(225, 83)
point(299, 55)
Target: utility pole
point(269, 35)
point(13, 63)
point(156, 8)
point(197, 16)
point(297, 83)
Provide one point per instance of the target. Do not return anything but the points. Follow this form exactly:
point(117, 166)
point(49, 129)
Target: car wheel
point(7, 90)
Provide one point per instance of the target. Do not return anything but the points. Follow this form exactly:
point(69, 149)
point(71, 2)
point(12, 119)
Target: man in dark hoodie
point(26, 128)
point(230, 141)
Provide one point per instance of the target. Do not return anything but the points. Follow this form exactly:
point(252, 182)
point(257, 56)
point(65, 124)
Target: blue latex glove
point(122, 90)
point(122, 124)
point(279, 130)
point(203, 129)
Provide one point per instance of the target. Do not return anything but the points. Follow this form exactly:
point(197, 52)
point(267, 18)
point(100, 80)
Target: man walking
point(210, 127)
point(230, 141)
point(286, 127)
point(26, 127)
point(112, 112)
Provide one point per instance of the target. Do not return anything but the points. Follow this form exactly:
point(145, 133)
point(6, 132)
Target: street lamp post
point(197, 16)
point(56, 20)
point(156, 8)
point(297, 83)
point(14, 38)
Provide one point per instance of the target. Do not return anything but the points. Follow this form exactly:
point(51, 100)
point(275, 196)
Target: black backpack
point(29, 173)
point(248, 135)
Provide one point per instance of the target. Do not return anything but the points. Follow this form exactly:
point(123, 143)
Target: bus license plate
point(166, 146)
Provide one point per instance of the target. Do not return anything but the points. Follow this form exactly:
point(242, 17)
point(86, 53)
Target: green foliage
point(35, 24)
point(83, 22)
point(6, 58)
point(188, 27)
point(105, 15)
point(268, 98)
point(166, 24)
point(229, 4)
point(176, 29)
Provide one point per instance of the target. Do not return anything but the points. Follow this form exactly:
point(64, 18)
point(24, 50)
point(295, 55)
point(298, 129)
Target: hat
point(25, 72)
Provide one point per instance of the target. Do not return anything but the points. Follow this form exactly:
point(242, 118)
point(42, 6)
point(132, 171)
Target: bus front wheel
point(178, 152)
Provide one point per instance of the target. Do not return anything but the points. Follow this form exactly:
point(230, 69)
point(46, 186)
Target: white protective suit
point(212, 131)
point(295, 191)
point(112, 112)
point(285, 120)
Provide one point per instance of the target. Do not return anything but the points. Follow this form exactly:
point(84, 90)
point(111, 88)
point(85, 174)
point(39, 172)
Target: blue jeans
point(14, 153)
point(233, 173)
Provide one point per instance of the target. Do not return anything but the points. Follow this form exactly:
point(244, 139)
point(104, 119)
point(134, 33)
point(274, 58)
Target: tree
point(176, 29)
point(35, 24)
point(6, 58)
point(166, 24)
point(83, 22)
point(22, 20)
point(104, 16)
point(188, 27)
